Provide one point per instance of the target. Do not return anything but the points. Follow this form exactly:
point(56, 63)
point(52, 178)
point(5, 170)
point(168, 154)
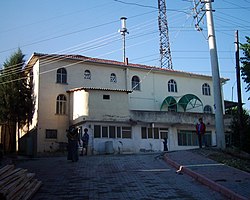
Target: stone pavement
point(229, 181)
point(137, 176)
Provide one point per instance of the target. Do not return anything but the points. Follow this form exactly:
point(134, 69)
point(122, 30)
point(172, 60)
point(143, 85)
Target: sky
point(91, 28)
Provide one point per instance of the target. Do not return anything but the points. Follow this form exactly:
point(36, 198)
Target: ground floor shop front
point(118, 138)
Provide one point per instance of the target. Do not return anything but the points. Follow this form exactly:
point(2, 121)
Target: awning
point(169, 101)
point(189, 99)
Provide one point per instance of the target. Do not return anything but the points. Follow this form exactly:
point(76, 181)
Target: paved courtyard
point(143, 176)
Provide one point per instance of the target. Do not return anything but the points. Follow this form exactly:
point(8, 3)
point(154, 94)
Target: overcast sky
point(90, 28)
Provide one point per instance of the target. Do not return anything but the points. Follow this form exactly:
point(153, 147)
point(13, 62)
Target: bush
point(235, 131)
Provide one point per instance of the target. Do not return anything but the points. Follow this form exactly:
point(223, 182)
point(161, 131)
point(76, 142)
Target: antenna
point(123, 32)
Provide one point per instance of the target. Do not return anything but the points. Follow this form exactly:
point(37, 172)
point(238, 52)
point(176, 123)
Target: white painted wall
point(80, 104)
point(115, 109)
point(88, 105)
point(154, 89)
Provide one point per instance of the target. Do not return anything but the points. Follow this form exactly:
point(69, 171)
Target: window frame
point(206, 89)
point(112, 132)
point(209, 111)
point(136, 84)
point(61, 104)
point(126, 132)
point(106, 97)
point(172, 86)
point(152, 133)
point(113, 78)
point(87, 74)
point(189, 138)
point(61, 76)
point(51, 133)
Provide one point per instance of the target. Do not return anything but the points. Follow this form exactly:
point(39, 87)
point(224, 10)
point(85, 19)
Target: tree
point(235, 130)
point(245, 60)
point(15, 98)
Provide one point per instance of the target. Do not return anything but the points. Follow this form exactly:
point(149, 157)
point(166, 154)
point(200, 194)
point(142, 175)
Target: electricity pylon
point(165, 53)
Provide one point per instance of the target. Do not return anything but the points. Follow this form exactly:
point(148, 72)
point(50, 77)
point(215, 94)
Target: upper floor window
point(206, 89)
point(208, 109)
point(61, 75)
point(113, 78)
point(136, 83)
point(87, 74)
point(61, 104)
point(172, 86)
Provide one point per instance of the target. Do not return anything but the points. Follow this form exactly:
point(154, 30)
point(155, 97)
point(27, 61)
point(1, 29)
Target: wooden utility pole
point(239, 107)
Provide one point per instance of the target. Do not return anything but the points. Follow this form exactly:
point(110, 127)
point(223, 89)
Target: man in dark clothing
point(85, 141)
point(73, 139)
point(200, 131)
point(165, 144)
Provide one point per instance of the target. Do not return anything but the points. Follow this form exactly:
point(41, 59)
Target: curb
point(204, 180)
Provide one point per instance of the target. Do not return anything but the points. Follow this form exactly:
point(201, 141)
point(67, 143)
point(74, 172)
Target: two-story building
point(126, 107)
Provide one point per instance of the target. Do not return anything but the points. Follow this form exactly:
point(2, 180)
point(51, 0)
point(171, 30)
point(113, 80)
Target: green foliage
point(15, 93)
point(245, 60)
point(235, 130)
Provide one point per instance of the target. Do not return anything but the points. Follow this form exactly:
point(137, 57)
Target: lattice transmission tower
point(165, 53)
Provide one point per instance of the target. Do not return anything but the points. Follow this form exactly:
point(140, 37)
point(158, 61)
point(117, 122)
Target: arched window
point(206, 89)
point(208, 109)
point(61, 102)
point(61, 75)
point(87, 74)
point(136, 83)
point(113, 78)
point(172, 86)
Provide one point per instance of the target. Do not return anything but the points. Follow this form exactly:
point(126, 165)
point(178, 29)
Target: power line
point(234, 17)
point(235, 5)
point(99, 45)
point(52, 18)
point(73, 32)
point(153, 7)
point(92, 45)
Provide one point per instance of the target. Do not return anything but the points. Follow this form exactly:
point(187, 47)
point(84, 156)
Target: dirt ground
point(229, 156)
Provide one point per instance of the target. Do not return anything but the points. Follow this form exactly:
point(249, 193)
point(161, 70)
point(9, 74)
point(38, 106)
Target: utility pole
point(240, 110)
point(219, 121)
point(165, 53)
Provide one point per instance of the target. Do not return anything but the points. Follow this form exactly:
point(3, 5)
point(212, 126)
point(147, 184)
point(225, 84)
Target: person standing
point(85, 141)
point(165, 144)
point(73, 139)
point(200, 131)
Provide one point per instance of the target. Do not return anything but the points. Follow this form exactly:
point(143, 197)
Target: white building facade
point(127, 108)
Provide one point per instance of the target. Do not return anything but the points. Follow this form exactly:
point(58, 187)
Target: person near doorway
point(200, 131)
point(165, 144)
point(73, 140)
point(85, 142)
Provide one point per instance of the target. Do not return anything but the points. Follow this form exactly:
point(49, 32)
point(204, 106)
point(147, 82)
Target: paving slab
point(137, 176)
point(231, 182)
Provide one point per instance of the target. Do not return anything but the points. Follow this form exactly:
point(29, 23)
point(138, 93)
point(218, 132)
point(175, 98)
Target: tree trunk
point(12, 137)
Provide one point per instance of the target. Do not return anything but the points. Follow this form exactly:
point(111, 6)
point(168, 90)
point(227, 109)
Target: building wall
point(86, 107)
point(114, 109)
point(48, 119)
point(154, 89)
point(80, 106)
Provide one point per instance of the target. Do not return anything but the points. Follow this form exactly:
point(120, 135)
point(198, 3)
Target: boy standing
point(85, 141)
